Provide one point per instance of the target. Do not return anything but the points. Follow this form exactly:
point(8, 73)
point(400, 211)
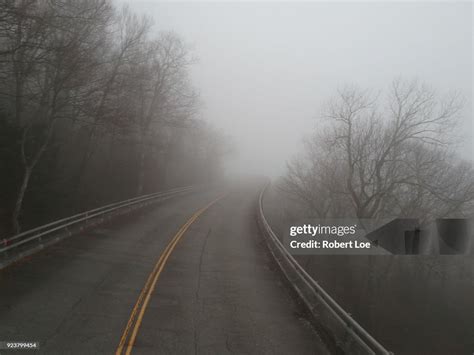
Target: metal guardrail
point(26, 243)
point(346, 334)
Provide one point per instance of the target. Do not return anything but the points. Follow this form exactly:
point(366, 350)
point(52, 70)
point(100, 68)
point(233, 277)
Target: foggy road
point(214, 291)
point(243, 177)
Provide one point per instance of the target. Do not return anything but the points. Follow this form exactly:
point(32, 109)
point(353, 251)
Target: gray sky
point(265, 67)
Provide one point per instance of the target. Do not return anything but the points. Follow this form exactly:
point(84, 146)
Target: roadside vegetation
point(96, 105)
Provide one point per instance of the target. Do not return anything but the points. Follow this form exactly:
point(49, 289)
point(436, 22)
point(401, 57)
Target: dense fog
point(265, 69)
point(104, 100)
point(358, 110)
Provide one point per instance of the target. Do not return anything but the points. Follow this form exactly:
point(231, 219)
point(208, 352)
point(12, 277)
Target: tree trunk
point(19, 201)
point(141, 168)
point(88, 152)
point(29, 166)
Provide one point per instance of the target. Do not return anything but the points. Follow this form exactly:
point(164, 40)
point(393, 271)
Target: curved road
point(179, 278)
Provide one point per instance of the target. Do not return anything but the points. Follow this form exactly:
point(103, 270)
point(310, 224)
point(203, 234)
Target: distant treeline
point(95, 106)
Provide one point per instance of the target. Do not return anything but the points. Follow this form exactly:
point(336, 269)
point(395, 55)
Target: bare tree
point(93, 108)
point(103, 108)
point(163, 95)
point(52, 51)
point(384, 158)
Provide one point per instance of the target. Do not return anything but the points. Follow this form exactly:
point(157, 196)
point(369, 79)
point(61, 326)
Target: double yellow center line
point(140, 306)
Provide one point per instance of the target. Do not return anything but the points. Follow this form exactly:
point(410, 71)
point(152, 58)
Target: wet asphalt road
point(217, 293)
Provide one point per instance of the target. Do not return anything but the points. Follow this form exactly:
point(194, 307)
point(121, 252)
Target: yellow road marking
point(144, 291)
point(150, 284)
